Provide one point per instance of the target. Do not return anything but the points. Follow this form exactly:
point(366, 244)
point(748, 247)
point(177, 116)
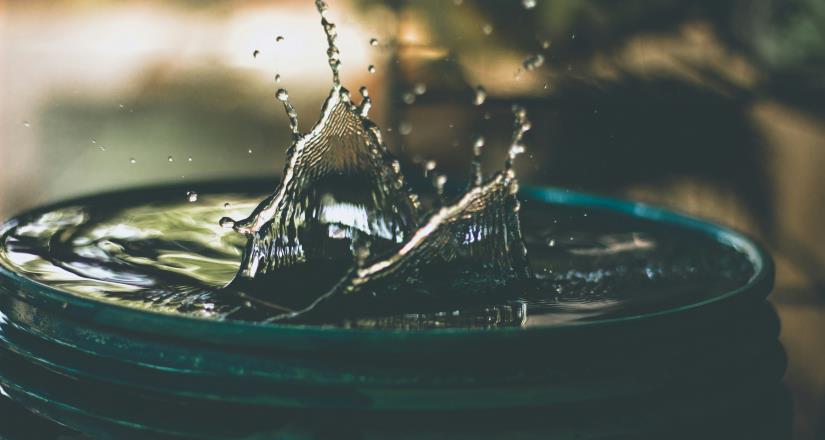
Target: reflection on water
point(167, 254)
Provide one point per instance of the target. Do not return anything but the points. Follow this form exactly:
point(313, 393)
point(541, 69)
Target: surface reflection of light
point(354, 216)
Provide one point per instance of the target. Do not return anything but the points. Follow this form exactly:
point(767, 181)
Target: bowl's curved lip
point(125, 318)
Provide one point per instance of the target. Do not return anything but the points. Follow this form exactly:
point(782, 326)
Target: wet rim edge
point(122, 317)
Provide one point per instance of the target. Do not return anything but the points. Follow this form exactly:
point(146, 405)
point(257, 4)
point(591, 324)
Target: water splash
point(344, 203)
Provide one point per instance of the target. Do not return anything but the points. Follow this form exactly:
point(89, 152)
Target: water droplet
point(249, 151)
point(361, 252)
point(226, 205)
point(282, 95)
point(440, 182)
point(528, 4)
point(515, 150)
point(101, 148)
point(487, 29)
point(132, 160)
point(405, 128)
point(94, 141)
point(27, 124)
point(371, 69)
point(458, 2)
point(255, 53)
point(373, 42)
point(480, 96)
point(192, 196)
point(430, 165)
point(170, 159)
point(121, 105)
point(408, 98)
point(277, 77)
point(227, 222)
point(478, 145)
point(364, 91)
point(420, 88)
point(572, 36)
point(189, 159)
point(545, 44)
point(279, 38)
point(533, 61)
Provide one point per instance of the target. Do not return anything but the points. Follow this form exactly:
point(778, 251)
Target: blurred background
point(710, 107)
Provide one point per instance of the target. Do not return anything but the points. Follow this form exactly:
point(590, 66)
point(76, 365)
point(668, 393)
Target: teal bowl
point(117, 372)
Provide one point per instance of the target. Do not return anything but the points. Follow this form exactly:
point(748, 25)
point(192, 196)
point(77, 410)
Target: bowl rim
point(154, 323)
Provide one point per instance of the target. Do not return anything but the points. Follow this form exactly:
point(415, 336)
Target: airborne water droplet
point(528, 4)
point(170, 159)
point(373, 42)
point(440, 183)
point(405, 128)
point(534, 61)
point(478, 146)
point(420, 88)
point(480, 96)
point(189, 159)
point(277, 77)
point(371, 69)
point(279, 38)
point(27, 124)
point(192, 196)
point(132, 160)
point(226, 205)
point(282, 95)
point(255, 53)
point(226, 222)
point(408, 98)
point(249, 151)
point(487, 29)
